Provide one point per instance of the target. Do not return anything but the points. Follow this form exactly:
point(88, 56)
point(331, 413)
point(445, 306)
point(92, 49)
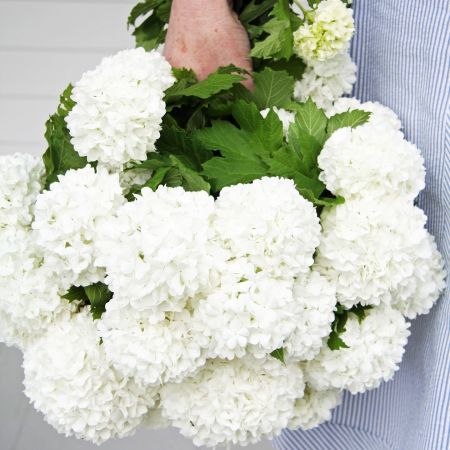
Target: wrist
point(201, 6)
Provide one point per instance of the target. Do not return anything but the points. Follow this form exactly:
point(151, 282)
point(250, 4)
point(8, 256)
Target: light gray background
point(44, 45)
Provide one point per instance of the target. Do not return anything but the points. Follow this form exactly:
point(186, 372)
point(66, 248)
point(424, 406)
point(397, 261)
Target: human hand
point(204, 35)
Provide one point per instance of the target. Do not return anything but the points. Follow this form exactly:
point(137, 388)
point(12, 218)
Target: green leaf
point(279, 42)
point(320, 200)
point(351, 119)
point(294, 66)
point(191, 180)
point(254, 10)
point(99, 295)
point(213, 84)
point(141, 9)
point(272, 88)
point(311, 120)
point(60, 155)
point(76, 293)
point(335, 342)
point(150, 33)
point(360, 311)
point(278, 354)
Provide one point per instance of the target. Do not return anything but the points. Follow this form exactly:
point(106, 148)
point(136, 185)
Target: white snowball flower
point(20, 183)
point(153, 353)
point(417, 293)
point(270, 223)
point(380, 115)
point(250, 312)
point(66, 221)
point(326, 81)
point(376, 347)
point(29, 290)
point(119, 107)
point(286, 117)
point(329, 33)
point(315, 300)
point(371, 249)
point(69, 380)
point(369, 161)
point(239, 401)
point(157, 252)
point(314, 408)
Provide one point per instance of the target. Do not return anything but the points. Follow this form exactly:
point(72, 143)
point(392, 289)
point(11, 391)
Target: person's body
point(402, 50)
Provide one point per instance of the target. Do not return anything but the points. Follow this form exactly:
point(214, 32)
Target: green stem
point(305, 12)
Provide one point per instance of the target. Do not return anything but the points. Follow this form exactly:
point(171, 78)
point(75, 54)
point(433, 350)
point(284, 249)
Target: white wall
point(44, 45)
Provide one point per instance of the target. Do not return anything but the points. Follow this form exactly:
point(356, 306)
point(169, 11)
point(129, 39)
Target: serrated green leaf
point(191, 180)
point(360, 311)
point(226, 172)
point(60, 155)
point(335, 342)
point(76, 293)
point(311, 120)
point(320, 200)
point(279, 42)
point(213, 84)
point(254, 10)
point(141, 9)
point(278, 354)
point(272, 88)
point(351, 119)
point(150, 33)
point(294, 66)
point(99, 295)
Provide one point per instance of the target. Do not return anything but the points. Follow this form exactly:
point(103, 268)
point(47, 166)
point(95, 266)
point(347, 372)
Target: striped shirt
point(402, 50)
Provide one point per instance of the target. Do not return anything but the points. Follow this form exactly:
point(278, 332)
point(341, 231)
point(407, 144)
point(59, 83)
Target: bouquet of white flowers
point(191, 253)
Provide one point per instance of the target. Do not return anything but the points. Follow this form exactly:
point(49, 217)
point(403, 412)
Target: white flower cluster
point(68, 379)
point(236, 401)
point(314, 408)
point(326, 32)
point(375, 348)
point(375, 247)
point(373, 159)
point(66, 220)
point(221, 313)
point(119, 107)
point(322, 42)
point(326, 81)
point(20, 176)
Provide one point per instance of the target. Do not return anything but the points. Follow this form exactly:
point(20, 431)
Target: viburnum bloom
point(153, 353)
point(29, 289)
point(372, 160)
point(314, 408)
point(371, 250)
point(315, 301)
point(69, 380)
point(66, 221)
point(119, 107)
point(326, 81)
point(375, 349)
point(234, 402)
point(249, 312)
point(417, 293)
point(326, 32)
point(20, 183)
point(269, 223)
point(157, 251)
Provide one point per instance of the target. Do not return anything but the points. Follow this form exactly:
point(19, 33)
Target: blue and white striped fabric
point(402, 50)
